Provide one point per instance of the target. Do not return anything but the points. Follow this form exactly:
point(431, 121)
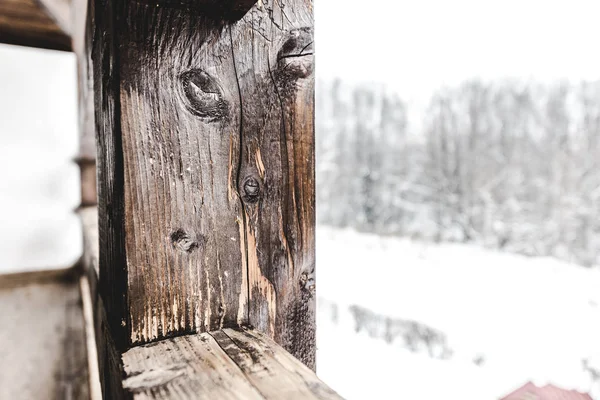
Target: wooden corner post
point(204, 114)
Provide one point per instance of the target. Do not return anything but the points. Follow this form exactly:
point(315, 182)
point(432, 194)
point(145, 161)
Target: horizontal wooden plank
point(274, 371)
point(31, 23)
point(43, 353)
point(14, 280)
point(186, 367)
point(226, 364)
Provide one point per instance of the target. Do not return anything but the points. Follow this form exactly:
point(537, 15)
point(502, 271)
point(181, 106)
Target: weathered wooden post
point(197, 202)
point(205, 155)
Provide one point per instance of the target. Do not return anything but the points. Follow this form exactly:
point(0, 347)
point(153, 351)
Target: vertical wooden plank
point(273, 49)
point(81, 38)
point(168, 132)
point(180, 133)
point(111, 207)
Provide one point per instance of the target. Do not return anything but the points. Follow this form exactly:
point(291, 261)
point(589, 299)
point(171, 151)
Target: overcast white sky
point(417, 46)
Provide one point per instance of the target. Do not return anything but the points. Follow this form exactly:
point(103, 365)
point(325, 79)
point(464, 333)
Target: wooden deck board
point(226, 364)
point(186, 367)
point(43, 353)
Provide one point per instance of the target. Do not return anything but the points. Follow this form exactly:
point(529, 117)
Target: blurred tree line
point(505, 164)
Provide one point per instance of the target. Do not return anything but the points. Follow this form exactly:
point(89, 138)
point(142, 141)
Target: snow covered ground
point(505, 319)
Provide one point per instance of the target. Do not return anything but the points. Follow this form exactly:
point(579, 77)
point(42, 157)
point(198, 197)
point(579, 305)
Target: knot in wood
point(204, 95)
point(295, 58)
point(307, 283)
point(182, 241)
point(251, 189)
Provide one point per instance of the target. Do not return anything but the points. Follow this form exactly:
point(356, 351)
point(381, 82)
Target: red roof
point(549, 392)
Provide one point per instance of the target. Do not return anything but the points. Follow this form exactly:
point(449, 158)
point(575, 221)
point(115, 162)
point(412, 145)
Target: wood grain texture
point(108, 356)
point(31, 23)
point(187, 367)
point(226, 364)
point(180, 136)
point(273, 48)
point(110, 171)
point(206, 170)
point(271, 369)
point(43, 353)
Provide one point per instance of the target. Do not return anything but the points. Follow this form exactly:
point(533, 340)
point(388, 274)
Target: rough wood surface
point(180, 141)
point(206, 170)
point(43, 353)
point(32, 23)
point(273, 52)
point(270, 368)
point(113, 283)
point(226, 364)
point(108, 356)
point(187, 367)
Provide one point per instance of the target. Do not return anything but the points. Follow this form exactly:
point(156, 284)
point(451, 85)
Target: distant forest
point(507, 164)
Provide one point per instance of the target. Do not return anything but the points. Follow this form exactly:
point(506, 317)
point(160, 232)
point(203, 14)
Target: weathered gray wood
point(227, 364)
point(187, 367)
point(273, 49)
point(31, 23)
point(43, 353)
point(280, 363)
point(270, 368)
point(206, 170)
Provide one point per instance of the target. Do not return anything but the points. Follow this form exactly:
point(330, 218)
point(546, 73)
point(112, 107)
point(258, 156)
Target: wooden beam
point(35, 24)
point(226, 364)
point(206, 171)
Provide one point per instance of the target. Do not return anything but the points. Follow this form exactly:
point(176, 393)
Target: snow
point(524, 318)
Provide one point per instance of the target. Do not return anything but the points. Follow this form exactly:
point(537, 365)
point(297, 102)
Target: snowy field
point(450, 321)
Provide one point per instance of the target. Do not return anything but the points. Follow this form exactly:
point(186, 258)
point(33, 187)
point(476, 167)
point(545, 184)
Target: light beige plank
point(272, 370)
point(43, 353)
point(187, 367)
